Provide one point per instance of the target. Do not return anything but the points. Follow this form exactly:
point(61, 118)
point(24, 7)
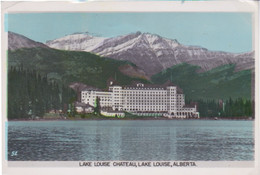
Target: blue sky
point(231, 32)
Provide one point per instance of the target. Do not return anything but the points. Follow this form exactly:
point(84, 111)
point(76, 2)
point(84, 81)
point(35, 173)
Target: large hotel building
point(139, 98)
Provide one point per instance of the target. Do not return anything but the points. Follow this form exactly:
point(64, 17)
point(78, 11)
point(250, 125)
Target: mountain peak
point(138, 33)
point(17, 41)
point(155, 36)
point(76, 41)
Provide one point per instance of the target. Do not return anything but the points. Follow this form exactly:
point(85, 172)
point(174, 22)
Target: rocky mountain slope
point(152, 53)
point(16, 41)
point(79, 42)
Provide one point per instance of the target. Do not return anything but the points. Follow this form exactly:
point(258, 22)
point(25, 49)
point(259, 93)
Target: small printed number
point(14, 153)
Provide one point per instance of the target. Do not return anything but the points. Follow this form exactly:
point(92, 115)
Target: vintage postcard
point(130, 87)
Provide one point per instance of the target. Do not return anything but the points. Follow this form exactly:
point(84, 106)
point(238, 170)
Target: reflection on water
point(131, 140)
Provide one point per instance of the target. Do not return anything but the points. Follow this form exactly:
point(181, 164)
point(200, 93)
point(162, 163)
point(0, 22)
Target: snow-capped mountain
point(79, 42)
point(16, 41)
point(151, 52)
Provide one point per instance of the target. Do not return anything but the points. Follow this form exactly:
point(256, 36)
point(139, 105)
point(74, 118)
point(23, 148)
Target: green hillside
point(31, 91)
point(70, 66)
point(219, 83)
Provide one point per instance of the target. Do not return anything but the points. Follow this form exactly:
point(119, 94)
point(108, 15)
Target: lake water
point(114, 140)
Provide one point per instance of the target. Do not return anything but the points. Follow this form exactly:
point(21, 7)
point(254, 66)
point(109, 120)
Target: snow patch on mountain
point(77, 42)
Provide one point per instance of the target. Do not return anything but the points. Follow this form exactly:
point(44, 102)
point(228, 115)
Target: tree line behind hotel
point(31, 94)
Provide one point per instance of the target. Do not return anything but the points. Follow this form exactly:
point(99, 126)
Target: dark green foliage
point(97, 106)
point(219, 83)
point(71, 66)
point(239, 108)
point(31, 94)
point(47, 88)
point(208, 87)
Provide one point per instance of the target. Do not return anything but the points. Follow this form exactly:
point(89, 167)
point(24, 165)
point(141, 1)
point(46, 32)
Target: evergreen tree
point(97, 106)
point(31, 94)
point(230, 108)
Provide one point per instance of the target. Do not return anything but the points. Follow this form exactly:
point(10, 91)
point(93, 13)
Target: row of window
point(128, 88)
point(138, 100)
point(145, 109)
point(146, 95)
point(134, 94)
point(147, 104)
point(131, 97)
point(146, 99)
point(143, 92)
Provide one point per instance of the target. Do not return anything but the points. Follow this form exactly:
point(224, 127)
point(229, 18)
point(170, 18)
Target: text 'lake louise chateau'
point(142, 99)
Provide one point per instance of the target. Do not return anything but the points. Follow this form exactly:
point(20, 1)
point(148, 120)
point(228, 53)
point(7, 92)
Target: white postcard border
point(153, 6)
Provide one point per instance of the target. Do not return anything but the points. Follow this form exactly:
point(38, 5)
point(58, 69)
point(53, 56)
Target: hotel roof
point(91, 88)
point(79, 104)
point(140, 85)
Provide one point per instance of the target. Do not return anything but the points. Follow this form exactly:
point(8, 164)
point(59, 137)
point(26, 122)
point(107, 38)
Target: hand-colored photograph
point(164, 86)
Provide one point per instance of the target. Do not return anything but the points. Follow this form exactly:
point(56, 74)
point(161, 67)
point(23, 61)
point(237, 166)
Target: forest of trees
point(238, 108)
point(32, 94)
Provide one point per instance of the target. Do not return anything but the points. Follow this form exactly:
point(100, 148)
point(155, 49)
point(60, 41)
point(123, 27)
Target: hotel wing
point(140, 99)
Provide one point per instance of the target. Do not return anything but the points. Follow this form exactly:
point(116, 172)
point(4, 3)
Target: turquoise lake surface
point(131, 140)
